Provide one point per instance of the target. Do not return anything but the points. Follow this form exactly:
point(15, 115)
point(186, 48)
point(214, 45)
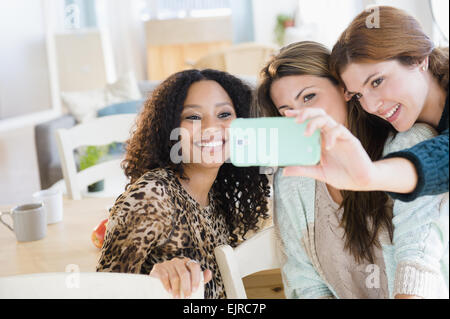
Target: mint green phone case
point(272, 141)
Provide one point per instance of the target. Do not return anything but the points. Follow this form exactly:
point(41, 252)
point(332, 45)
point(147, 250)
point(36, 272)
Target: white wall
point(327, 19)
point(318, 20)
point(24, 76)
point(264, 17)
point(24, 90)
point(19, 172)
point(420, 9)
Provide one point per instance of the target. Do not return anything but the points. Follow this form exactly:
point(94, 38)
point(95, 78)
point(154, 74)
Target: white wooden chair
point(100, 131)
point(79, 285)
point(258, 253)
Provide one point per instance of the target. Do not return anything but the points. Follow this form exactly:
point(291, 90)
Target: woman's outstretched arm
point(346, 165)
point(430, 162)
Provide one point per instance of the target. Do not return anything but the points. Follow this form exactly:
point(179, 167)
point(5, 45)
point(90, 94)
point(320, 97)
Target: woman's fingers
point(207, 275)
point(323, 122)
point(314, 172)
point(169, 277)
point(162, 274)
point(180, 275)
point(195, 270)
point(305, 114)
point(174, 280)
point(332, 135)
point(318, 119)
point(330, 130)
point(291, 113)
point(184, 277)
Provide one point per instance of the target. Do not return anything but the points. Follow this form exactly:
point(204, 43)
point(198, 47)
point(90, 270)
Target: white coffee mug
point(53, 204)
point(29, 221)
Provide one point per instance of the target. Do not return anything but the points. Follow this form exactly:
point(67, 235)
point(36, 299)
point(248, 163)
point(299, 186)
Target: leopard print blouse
point(155, 220)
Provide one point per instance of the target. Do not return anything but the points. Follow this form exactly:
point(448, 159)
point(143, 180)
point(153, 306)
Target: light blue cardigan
point(417, 261)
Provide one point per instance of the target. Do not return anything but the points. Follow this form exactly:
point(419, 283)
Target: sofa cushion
point(121, 108)
point(147, 87)
point(83, 105)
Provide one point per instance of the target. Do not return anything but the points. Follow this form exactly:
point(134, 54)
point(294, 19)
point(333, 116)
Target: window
point(24, 76)
point(172, 9)
point(79, 14)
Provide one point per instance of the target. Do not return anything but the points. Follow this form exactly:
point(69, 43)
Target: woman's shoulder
point(163, 175)
point(153, 184)
point(292, 196)
point(419, 132)
point(287, 184)
point(150, 193)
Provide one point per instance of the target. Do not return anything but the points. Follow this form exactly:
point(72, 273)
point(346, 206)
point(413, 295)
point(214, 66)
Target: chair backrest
point(241, 59)
point(97, 285)
point(258, 253)
point(100, 131)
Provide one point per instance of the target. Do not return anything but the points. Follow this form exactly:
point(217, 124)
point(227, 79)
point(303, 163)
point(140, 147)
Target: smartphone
point(272, 141)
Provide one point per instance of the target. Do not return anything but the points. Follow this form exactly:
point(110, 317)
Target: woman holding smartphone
point(392, 72)
point(346, 244)
point(183, 200)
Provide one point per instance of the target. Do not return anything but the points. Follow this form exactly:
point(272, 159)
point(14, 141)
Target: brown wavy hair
point(399, 36)
point(365, 213)
point(241, 192)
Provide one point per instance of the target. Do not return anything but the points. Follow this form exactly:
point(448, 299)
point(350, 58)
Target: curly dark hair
point(241, 193)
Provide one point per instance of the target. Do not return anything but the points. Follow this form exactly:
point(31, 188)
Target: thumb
point(207, 275)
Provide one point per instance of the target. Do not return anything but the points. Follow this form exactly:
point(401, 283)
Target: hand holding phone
point(344, 162)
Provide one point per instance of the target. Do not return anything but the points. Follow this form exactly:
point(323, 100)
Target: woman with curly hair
point(184, 198)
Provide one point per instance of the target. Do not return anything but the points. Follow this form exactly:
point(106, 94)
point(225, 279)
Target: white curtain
point(120, 21)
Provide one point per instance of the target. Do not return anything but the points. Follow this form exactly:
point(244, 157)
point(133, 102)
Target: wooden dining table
point(66, 247)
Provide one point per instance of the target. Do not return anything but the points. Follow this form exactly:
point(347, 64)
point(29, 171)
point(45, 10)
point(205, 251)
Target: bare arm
point(397, 175)
point(346, 165)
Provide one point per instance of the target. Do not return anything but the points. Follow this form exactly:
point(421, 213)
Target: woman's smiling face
point(206, 115)
point(388, 89)
point(298, 91)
